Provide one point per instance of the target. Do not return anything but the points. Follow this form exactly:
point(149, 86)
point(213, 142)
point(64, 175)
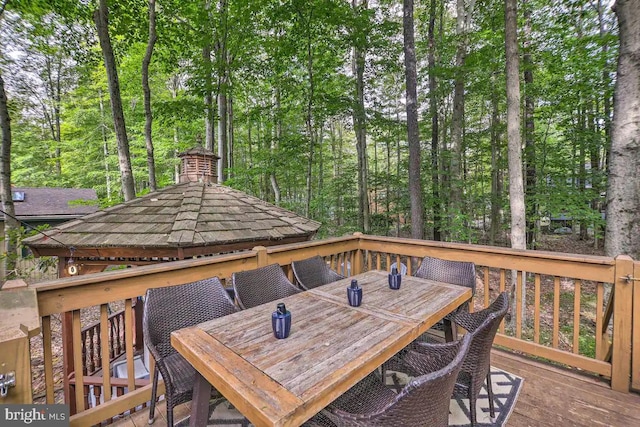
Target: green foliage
point(289, 63)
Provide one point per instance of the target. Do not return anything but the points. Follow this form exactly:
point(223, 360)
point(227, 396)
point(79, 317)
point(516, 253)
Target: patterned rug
point(506, 388)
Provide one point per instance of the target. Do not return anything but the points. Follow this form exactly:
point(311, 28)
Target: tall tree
point(151, 164)
point(222, 60)
point(359, 118)
point(413, 132)
point(101, 19)
point(433, 111)
point(463, 22)
point(514, 141)
point(11, 225)
point(529, 126)
point(623, 190)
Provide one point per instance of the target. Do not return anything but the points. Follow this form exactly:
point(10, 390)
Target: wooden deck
point(550, 396)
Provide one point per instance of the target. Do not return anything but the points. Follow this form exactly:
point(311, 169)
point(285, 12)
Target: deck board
point(550, 396)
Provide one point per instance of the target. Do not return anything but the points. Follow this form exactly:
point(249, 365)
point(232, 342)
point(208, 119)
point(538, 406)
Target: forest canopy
point(304, 101)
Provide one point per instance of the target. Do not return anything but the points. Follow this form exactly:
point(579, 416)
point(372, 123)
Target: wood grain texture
point(622, 324)
point(331, 347)
point(550, 396)
point(19, 308)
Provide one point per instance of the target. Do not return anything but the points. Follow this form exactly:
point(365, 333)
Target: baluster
point(577, 286)
point(97, 393)
point(83, 337)
point(122, 332)
point(86, 396)
point(92, 364)
point(118, 346)
point(112, 339)
point(556, 311)
point(99, 347)
point(536, 305)
point(48, 358)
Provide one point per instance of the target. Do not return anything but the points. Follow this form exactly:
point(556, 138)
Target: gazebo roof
point(180, 221)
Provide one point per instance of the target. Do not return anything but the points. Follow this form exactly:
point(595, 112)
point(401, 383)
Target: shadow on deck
point(550, 396)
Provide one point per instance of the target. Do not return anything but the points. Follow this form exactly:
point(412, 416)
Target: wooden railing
point(572, 310)
point(92, 344)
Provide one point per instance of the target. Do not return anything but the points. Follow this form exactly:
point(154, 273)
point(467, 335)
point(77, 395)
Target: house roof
point(44, 203)
point(178, 221)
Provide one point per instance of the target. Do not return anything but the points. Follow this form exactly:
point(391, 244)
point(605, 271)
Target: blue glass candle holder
point(395, 279)
point(354, 294)
point(281, 321)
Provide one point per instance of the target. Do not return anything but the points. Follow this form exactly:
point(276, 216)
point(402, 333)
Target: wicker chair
point(171, 308)
point(454, 272)
point(482, 327)
point(424, 401)
point(313, 272)
point(262, 285)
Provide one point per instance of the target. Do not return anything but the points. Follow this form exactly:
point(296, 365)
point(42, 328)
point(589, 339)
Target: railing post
point(19, 322)
point(138, 309)
point(356, 268)
point(67, 350)
point(635, 345)
point(262, 257)
point(622, 324)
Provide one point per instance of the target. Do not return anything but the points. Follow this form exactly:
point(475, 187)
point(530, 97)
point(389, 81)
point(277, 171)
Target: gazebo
point(196, 217)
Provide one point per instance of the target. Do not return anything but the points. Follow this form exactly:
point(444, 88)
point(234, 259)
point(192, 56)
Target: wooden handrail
point(558, 272)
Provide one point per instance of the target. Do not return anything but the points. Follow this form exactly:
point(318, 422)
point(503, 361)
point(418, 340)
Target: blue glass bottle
point(395, 279)
point(281, 321)
point(354, 294)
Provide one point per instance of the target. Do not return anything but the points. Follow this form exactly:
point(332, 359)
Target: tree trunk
point(230, 135)
point(530, 144)
point(456, 202)
point(101, 18)
point(105, 146)
point(516, 188)
point(151, 164)
point(222, 137)
point(273, 148)
point(359, 124)
point(433, 110)
point(496, 176)
point(457, 119)
point(623, 197)
point(413, 133)
point(309, 120)
point(11, 225)
point(209, 107)
point(336, 155)
point(222, 57)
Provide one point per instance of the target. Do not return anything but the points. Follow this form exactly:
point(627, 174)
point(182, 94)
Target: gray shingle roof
point(183, 215)
point(50, 203)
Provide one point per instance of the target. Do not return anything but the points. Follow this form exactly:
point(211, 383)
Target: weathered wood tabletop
point(331, 346)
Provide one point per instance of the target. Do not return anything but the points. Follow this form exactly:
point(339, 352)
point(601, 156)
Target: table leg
point(450, 330)
point(200, 401)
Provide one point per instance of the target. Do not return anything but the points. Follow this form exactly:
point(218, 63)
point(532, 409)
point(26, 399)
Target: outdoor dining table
point(332, 346)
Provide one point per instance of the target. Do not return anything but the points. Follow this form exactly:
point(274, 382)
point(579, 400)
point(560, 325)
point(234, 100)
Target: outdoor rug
point(506, 388)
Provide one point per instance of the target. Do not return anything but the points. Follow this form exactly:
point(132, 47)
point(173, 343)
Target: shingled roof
point(183, 220)
point(43, 203)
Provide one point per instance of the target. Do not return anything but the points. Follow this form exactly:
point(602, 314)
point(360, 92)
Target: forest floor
point(547, 242)
point(570, 244)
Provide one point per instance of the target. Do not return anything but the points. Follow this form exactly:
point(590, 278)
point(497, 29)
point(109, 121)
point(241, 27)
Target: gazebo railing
point(559, 312)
